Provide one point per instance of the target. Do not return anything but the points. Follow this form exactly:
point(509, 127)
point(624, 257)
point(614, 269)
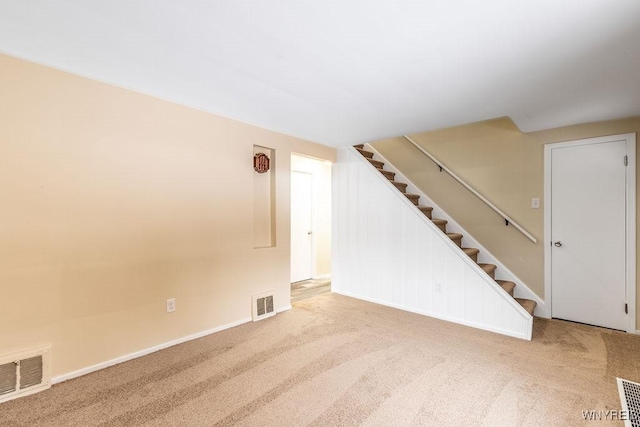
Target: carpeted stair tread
point(426, 210)
point(456, 237)
point(377, 163)
point(472, 253)
point(490, 269)
point(365, 153)
point(413, 197)
point(400, 186)
point(441, 223)
point(360, 146)
point(390, 175)
point(527, 304)
point(507, 285)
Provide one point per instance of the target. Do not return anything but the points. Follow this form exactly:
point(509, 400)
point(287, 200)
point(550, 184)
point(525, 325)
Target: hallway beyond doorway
point(309, 288)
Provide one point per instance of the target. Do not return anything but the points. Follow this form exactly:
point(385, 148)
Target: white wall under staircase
point(485, 256)
point(386, 251)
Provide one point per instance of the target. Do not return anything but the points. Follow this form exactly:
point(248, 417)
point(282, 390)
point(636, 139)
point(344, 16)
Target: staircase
point(490, 269)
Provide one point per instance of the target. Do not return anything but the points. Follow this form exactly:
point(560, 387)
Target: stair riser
point(528, 305)
point(378, 164)
point(389, 175)
point(442, 227)
point(489, 269)
point(367, 154)
point(427, 212)
point(414, 199)
point(458, 241)
point(401, 186)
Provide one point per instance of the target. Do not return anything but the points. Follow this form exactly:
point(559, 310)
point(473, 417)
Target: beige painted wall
point(112, 202)
point(321, 182)
point(506, 166)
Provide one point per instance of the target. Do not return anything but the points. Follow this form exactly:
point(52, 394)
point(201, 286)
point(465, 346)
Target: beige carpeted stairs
point(490, 269)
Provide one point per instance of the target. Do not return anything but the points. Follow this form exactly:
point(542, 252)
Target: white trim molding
point(146, 351)
point(630, 274)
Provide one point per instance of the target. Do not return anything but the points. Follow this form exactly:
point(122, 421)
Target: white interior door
point(301, 226)
point(588, 233)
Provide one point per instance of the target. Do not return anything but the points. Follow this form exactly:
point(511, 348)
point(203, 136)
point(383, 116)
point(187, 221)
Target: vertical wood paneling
point(387, 252)
point(396, 250)
point(439, 269)
point(491, 308)
point(473, 297)
point(410, 258)
point(455, 286)
point(425, 270)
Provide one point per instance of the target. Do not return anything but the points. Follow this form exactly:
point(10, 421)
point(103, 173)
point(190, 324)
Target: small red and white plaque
point(260, 162)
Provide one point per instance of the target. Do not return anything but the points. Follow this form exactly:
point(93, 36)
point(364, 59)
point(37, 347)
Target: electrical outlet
point(439, 287)
point(535, 203)
point(171, 305)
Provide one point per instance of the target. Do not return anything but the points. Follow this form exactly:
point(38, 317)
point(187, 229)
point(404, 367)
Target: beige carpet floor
point(333, 360)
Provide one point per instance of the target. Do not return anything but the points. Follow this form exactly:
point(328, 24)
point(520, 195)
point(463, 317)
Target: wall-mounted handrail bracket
point(508, 221)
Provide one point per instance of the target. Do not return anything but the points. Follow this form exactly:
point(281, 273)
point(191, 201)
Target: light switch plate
point(535, 203)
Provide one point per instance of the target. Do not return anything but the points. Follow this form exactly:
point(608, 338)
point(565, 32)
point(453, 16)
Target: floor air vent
point(24, 373)
point(263, 306)
point(630, 399)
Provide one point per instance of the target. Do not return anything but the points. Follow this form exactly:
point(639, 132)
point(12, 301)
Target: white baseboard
point(463, 322)
point(146, 351)
point(322, 276)
point(285, 308)
point(135, 355)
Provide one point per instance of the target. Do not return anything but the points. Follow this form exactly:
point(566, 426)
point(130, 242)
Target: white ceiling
point(343, 72)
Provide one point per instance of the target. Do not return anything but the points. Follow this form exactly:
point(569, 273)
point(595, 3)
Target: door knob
point(309, 232)
point(558, 244)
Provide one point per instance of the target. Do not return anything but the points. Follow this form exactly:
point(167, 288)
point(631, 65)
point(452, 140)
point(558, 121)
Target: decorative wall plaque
point(260, 162)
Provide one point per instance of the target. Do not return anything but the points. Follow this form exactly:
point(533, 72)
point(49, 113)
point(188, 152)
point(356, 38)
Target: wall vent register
point(630, 399)
point(263, 306)
point(24, 373)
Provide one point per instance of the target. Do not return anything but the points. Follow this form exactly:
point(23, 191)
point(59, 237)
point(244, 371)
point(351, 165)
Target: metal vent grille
point(263, 306)
point(8, 378)
point(30, 372)
point(24, 373)
point(630, 399)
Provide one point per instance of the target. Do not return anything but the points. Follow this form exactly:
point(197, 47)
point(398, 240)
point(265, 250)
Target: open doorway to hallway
point(310, 227)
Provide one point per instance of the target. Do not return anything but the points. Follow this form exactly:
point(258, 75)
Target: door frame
point(630, 274)
point(313, 223)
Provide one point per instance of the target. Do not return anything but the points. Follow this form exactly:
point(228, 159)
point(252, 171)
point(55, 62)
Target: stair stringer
point(485, 256)
point(385, 251)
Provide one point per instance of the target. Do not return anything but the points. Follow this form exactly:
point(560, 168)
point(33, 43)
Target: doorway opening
point(310, 227)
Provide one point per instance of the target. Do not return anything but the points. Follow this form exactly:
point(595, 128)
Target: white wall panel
point(388, 252)
point(473, 286)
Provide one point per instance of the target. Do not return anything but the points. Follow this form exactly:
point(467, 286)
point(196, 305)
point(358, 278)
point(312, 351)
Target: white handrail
point(508, 220)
